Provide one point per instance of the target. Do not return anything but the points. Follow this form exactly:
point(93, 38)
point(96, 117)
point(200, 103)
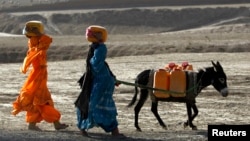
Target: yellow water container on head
point(33, 28)
point(177, 83)
point(96, 34)
point(161, 81)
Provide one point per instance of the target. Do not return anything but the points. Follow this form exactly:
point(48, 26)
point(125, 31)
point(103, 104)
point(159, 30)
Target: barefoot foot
point(84, 133)
point(32, 126)
point(59, 126)
point(117, 134)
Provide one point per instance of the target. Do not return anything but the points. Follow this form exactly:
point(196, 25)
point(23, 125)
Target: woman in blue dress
point(99, 110)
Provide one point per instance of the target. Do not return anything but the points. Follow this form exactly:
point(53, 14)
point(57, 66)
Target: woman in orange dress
point(34, 97)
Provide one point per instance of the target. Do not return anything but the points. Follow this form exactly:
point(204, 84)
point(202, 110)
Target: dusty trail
point(214, 109)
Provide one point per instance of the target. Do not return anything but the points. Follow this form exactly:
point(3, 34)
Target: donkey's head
point(219, 80)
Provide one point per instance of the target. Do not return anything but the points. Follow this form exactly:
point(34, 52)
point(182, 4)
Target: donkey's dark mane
point(203, 70)
point(201, 75)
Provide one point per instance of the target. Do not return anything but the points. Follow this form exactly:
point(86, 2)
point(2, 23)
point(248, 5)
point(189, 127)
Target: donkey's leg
point(195, 109)
point(143, 98)
point(191, 116)
point(154, 109)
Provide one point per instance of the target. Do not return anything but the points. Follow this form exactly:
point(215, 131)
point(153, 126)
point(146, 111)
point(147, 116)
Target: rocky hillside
point(128, 21)
point(133, 30)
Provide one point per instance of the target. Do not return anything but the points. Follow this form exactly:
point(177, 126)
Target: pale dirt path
point(63, 75)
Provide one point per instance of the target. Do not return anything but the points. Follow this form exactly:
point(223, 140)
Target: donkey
point(213, 75)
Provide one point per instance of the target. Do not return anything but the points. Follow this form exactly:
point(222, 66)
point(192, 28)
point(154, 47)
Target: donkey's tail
point(142, 81)
point(135, 96)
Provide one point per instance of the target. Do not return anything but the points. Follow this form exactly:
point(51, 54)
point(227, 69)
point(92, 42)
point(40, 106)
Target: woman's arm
point(98, 60)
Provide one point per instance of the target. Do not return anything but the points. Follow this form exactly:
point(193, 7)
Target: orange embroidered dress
point(34, 97)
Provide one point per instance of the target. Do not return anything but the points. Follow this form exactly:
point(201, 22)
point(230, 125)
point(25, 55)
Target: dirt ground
point(213, 108)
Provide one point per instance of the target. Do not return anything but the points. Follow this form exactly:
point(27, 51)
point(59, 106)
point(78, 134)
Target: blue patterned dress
point(102, 110)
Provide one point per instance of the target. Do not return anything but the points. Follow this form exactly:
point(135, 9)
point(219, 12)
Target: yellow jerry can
point(161, 81)
point(177, 83)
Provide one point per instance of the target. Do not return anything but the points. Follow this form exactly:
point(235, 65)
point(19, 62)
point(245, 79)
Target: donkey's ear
point(219, 67)
point(214, 63)
point(218, 63)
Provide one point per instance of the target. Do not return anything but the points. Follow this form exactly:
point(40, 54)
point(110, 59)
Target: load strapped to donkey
point(177, 80)
point(171, 81)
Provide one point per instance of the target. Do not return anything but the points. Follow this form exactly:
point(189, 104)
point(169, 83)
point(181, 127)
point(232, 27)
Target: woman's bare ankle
point(59, 125)
point(115, 132)
point(84, 133)
point(32, 126)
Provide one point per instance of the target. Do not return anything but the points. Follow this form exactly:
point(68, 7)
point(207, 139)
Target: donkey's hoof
point(185, 124)
point(165, 127)
point(139, 130)
point(194, 128)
